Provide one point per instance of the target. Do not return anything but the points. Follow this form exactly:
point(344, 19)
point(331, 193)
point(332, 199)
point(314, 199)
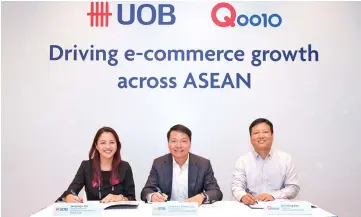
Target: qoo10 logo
point(265, 20)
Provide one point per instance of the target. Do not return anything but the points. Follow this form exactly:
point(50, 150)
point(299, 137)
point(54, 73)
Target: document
point(120, 205)
point(259, 205)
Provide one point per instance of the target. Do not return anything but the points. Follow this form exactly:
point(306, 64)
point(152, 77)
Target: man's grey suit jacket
point(200, 177)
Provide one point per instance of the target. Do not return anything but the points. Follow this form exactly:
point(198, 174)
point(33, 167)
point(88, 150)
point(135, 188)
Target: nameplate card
point(76, 209)
point(288, 208)
point(174, 208)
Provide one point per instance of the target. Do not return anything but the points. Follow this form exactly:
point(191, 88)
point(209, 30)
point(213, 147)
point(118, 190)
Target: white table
point(218, 209)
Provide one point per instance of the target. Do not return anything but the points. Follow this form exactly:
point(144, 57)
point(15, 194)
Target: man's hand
point(265, 197)
point(197, 198)
point(157, 197)
point(248, 199)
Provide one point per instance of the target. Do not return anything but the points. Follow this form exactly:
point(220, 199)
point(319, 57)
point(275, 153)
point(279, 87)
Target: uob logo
point(165, 14)
point(99, 10)
point(273, 20)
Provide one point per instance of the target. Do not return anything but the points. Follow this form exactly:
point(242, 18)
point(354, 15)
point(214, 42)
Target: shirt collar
point(185, 164)
point(257, 156)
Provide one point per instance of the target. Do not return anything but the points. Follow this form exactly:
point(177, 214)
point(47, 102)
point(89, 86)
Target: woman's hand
point(113, 198)
point(70, 198)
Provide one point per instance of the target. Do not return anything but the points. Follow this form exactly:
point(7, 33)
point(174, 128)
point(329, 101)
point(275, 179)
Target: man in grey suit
point(180, 175)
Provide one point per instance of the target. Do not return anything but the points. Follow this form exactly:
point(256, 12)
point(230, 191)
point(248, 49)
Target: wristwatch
point(205, 197)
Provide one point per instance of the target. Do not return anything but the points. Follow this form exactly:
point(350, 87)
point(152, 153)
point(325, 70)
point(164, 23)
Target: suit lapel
point(168, 174)
point(192, 175)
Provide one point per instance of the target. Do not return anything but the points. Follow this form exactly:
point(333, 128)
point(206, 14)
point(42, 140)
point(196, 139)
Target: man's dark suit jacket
point(200, 177)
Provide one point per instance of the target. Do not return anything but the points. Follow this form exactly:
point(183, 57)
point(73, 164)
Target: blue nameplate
point(76, 209)
point(288, 208)
point(174, 208)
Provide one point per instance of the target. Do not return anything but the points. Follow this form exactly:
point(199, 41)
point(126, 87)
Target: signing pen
point(160, 192)
point(251, 193)
point(73, 192)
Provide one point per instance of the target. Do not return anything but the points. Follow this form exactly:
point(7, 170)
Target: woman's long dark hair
point(94, 156)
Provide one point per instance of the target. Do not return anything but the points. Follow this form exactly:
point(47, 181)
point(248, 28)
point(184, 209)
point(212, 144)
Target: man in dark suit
point(180, 175)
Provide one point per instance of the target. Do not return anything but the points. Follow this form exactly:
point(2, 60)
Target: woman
point(105, 176)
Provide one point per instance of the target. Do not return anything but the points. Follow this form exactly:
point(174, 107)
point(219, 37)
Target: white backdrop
point(51, 110)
